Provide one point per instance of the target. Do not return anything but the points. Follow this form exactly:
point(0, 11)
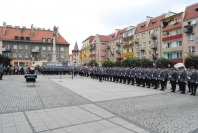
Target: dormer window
point(196, 9)
point(48, 40)
point(21, 38)
point(27, 38)
point(43, 39)
point(154, 22)
point(16, 38)
point(142, 27)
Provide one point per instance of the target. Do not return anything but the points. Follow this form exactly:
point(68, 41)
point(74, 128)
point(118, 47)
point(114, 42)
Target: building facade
point(31, 46)
point(115, 45)
point(86, 49)
point(128, 42)
point(98, 48)
point(172, 37)
point(190, 31)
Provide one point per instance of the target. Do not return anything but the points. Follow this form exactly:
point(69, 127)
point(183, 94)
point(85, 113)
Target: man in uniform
point(174, 79)
point(183, 78)
point(193, 81)
point(1, 71)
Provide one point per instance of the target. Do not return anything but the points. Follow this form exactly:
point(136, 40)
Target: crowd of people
point(145, 77)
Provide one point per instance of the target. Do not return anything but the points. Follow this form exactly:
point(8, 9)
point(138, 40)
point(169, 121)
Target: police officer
point(193, 79)
point(174, 79)
point(183, 78)
point(1, 72)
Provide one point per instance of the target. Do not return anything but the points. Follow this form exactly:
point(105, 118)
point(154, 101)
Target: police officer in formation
point(145, 77)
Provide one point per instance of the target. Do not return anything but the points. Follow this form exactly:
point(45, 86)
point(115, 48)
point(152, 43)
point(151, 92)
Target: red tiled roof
point(157, 22)
point(103, 38)
point(90, 38)
point(139, 29)
point(190, 11)
point(37, 37)
point(112, 36)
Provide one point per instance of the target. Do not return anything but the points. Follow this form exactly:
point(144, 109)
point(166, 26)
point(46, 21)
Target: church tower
point(75, 54)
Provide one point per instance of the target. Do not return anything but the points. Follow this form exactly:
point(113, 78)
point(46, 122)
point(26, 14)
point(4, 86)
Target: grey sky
point(77, 19)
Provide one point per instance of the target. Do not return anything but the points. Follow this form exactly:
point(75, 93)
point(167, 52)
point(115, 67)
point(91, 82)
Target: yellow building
point(85, 50)
point(128, 42)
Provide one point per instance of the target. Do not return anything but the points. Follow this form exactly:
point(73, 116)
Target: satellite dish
point(193, 22)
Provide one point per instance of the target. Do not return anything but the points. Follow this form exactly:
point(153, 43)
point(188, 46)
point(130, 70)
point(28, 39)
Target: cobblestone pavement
point(16, 96)
point(164, 113)
point(84, 105)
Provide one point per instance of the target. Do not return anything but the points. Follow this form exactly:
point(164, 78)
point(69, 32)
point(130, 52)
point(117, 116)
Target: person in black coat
point(174, 79)
point(193, 79)
point(183, 79)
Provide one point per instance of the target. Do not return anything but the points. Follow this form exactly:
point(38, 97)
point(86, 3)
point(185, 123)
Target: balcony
point(136, 40)
point(118, 44)
point(35, 50)
point(172, 37)
point(129, 54)
point(171, 27)
point(128, 38)
point(154, 46)
point(119, 58)
point(128, 45)
point(118, 51)
point(172, 49)
point(188, 29)
point(153, 36)
point(6, 49)
point(35, 58)
point(92, 55)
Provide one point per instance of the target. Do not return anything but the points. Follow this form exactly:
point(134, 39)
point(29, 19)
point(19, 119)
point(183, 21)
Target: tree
point(136, 62)
point(118, 64)
point(191, 61)
point(92, 63)
point(146, 62)
point(107, 64)
point(4, 60)
point(128, 62)
point(162, 62)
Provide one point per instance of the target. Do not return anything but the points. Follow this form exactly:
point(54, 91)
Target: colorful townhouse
point(172, 37)
point(190, 31)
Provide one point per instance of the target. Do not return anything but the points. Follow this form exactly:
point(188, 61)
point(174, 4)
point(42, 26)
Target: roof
point(103, 38)
point(37, 35)
point(191, 12)
point(112, 36)
point(90, 38)
point(155, 22)
point(76, 47)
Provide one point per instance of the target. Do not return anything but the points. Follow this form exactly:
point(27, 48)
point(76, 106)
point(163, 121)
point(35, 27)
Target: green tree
point(162, 62)
point(146, 62)
point(136, 62)
point(4, 60)
point(191, 61)
point(107, 64)
point(118, 64)
point(92, 63)
point(128, 62)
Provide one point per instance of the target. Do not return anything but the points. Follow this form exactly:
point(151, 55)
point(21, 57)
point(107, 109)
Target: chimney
point(4, 28)
point(148, 20)
point(57, 32)
point(116, 32)
point(32, 33)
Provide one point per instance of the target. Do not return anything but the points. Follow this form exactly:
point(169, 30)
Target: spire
point(76, 47)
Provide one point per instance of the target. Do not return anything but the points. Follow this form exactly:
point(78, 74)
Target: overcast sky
point(78, 19)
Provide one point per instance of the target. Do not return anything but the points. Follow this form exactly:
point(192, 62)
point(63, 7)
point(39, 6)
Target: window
point(169, 56)
point(15, 46)
point(179, 55)
point(169, 44)
point(179, 43)
point(127, 50)
point(61, 49)
point(21, 38)
point(191, 49)
point(48, 40)
point(16, 38)
point(178, 32)
point(49, 48)
point(44, 48)
point(26, 55)
point(142, 27)
point(20, 55)
point(143, 53)
point(191, 37)
point(43, 39)
point(14, 55)
point(26, 46)
point(169, 33)
point(156, 31)
point(143, 35)
point(196, 9)
point(20, 46)
point(153, 23)
point(27, 38)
